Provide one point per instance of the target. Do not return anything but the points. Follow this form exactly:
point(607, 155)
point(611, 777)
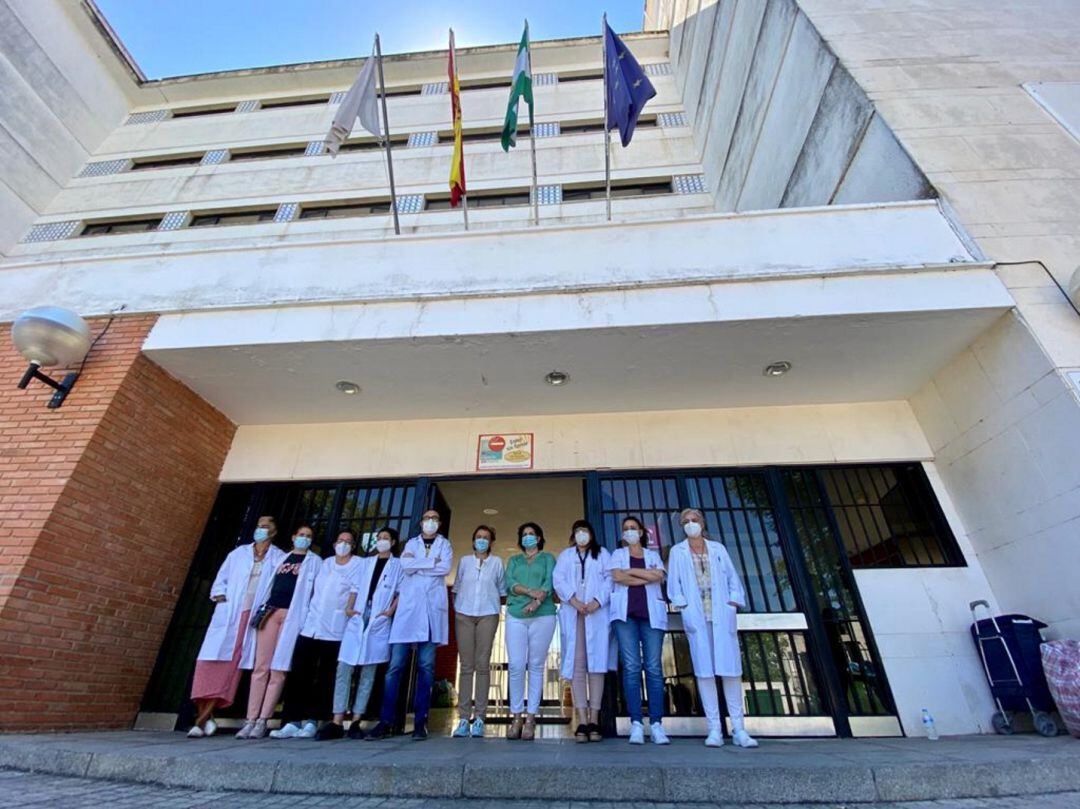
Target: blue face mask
point(529, 541)
point(301, 543)
point(261, 534)
point(481, 544)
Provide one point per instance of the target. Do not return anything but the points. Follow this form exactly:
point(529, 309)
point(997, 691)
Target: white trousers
point(527, 643)
point(733, 696)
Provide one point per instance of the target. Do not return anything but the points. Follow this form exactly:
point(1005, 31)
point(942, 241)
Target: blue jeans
point(425, 678)
point(637, 639)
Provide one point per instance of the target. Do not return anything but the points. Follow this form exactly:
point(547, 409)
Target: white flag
point(362, 101)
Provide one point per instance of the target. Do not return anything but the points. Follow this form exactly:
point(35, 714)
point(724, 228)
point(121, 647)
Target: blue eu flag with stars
point(628, 88)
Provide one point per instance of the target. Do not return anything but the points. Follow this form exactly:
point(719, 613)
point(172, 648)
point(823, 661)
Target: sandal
point(594, 732)
point(514, 731)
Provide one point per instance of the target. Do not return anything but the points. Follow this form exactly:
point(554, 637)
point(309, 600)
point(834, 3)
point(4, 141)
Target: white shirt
point(326, 615)
point(478, 587)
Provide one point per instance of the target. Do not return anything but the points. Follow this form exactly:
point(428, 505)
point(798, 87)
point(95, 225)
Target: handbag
point(258, 620)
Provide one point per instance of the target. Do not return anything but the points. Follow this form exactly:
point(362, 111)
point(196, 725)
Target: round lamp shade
point(49, 335)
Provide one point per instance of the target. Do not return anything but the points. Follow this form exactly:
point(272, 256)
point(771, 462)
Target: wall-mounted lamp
point(49, 336)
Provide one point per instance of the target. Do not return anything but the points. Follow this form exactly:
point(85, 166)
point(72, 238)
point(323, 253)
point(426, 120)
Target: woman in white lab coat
point(366, 644)
point(280, 619)
point(583, 584)
point(639, 619)
point(421, 621)
point(308, 688)
point(243, 580)
point(705, 587)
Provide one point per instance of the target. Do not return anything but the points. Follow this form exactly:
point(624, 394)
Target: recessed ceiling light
point(557, 378)
point(777, 368)
point(348, 388)
point(491, 512)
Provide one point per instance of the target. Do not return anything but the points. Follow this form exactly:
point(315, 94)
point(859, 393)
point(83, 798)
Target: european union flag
point(628, 88)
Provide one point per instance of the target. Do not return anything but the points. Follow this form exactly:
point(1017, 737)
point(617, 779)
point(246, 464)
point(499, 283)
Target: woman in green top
point(530, 623)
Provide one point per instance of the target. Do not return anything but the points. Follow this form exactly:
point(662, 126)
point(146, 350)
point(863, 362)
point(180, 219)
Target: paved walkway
point(60, 792)
point(551, 772)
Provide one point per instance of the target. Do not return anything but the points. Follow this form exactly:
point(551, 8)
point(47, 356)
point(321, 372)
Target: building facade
point(830, 309)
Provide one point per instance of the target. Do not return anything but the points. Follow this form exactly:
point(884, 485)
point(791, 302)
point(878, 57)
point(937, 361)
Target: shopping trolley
point(1009, 648)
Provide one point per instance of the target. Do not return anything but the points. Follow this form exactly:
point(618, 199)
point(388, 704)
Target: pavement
point(148, 767)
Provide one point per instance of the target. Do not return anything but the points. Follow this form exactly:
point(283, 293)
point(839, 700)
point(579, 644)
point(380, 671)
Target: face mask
point(631, 537)
point(430, 526)
point(481, 544)
point(383, 545)
point(529, 541)
point(582, 538)
point(342, 549)
point(692, 529)
point(261, 534)
point(301, 543)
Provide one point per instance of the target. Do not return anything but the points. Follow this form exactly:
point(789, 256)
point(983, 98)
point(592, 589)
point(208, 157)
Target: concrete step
point(779, 772)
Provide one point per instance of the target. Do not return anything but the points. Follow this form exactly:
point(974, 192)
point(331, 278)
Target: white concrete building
point(826, 310)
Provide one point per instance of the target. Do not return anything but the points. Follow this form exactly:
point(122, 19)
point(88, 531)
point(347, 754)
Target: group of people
point(313, 631)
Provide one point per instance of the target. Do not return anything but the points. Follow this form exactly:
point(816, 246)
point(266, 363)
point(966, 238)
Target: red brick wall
point(102, 503)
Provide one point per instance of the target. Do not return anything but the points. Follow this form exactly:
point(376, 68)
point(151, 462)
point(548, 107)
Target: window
point(888, 517)
point(274, 104)
point(370, 144)
point(598, 126)
point(486, 200)
point(344, 210)
point(268, 154)
point(590, 76)
point(484, 84)
point(120, 226)
point(621, 190)
point(166, 162)
point(233, 218)
point(195, 112)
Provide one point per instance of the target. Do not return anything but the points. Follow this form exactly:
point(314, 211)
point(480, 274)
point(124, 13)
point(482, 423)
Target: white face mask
point(692, 529)
point(631, 536)
point(301, 543)
point(582, 538)
point(343, 549)
point(430, 526)
point(383, 545)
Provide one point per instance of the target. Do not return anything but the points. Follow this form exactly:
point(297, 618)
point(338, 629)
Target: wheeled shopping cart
point(1009, 648)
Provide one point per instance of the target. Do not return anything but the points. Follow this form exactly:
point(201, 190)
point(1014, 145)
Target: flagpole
point(464, 193)
point(607, 132)
point(532, 136)
point(386, 136)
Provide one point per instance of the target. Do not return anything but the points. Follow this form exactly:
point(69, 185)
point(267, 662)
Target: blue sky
point(178, 37)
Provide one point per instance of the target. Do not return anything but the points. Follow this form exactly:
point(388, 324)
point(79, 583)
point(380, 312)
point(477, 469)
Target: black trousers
point(309, 688)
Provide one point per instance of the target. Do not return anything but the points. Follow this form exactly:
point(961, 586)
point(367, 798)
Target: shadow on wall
point(779, 122)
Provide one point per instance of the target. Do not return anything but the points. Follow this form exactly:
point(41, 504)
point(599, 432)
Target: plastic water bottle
point(928, 726)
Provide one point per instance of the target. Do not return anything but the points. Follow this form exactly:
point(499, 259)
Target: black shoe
point(355, 731)
point(329, 731)
point(380, 731)
point(420, 732)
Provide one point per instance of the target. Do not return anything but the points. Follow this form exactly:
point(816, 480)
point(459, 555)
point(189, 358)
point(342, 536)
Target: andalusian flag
point(520, 87)
point(457, 167)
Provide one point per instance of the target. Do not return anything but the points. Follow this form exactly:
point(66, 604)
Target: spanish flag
point(457, 168)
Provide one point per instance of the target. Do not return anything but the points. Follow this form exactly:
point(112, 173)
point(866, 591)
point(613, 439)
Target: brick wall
point(102, 503)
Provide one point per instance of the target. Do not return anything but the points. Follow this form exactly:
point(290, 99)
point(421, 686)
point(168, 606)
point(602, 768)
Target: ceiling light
point(491, 512)
point(348, 388)
point(557, 378)
point(777, 368)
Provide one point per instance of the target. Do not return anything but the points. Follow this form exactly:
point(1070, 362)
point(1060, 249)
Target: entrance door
point(790, 685)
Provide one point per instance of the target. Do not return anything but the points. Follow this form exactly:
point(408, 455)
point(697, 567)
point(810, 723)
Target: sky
point(170, 38)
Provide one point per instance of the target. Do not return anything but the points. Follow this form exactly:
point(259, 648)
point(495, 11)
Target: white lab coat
point(326, 617)
point(654, 593)
point(423, 607)
point(564, 579)
point(362, 645)
point(232, 581)
point(298, 610)
point(684, 593)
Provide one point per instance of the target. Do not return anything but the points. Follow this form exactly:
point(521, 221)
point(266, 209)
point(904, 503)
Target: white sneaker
point(245, 731)
point(656, 732)
point(477, 730)
point(286, 731)
point(637, 733)
point(743, 739)
point(308, 731)
point(210, 727)
point(196, 732)
point(715, 738)
point(462, 729)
